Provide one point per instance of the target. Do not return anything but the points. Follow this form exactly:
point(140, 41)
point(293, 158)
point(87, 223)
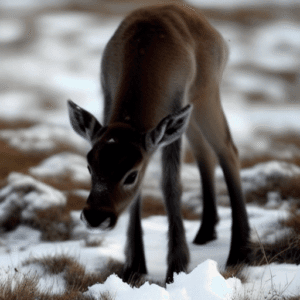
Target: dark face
point(117, 167)
point(118, 160)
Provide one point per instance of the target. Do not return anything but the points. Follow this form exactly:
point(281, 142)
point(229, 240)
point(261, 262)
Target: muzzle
point(103, 219)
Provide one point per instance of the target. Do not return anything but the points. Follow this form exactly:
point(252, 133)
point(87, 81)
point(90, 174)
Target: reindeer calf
point(161, 62)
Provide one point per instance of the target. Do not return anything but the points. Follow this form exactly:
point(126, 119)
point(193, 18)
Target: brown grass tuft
point(63, 182)
point(286, 187)
point(75, 276)
point(25, 289)
point(74, 202)
point(153, 206)
point(52, 265)
point(54, 223)
point(13, 159)
point(293, 220)
point(16, 124)
point(284, 250)
point(279, 143)
point(248, 162)
point(287, 138)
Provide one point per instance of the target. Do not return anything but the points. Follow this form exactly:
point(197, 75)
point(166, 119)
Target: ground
point(51, 52)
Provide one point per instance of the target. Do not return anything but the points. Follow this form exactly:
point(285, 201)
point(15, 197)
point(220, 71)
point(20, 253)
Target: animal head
point(118, 159)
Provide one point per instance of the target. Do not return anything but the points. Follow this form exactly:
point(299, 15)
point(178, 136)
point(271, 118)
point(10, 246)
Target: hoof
point(133, 277)
point(242, 255)
point(204, 237)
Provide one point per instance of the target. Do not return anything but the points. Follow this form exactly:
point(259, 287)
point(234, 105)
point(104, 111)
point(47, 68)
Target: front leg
point(135, 264)
point(178, 253)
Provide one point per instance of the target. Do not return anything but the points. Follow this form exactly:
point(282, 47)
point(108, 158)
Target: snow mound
point(204, 282)
point(43, 137)
point(266, 173)
point(63, 164)
point(24, 195)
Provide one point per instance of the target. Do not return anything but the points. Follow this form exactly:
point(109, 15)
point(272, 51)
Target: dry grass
point(25, 289)
point(283, 250)
point(63, 182)
point(279, 143)
point(286, 187)
point(55, 223)
point(16, 124)
point(248, 162)
point(77, 280)
point(153, 206)
point(14, 159)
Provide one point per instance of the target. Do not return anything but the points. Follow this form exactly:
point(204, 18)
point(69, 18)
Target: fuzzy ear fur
point(169, 129)
point(84, 123)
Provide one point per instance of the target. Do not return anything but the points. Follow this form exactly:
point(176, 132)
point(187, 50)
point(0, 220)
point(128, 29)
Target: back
point(151, 60)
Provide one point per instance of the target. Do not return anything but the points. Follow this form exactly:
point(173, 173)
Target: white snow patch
point(53, 284)
point(43, 137)
point(276, 46)
point(20, 239)
point(10, 30)
point(260, 174)
point(19, 105)
point(24, 193)
point(267, 281)
point(63, 164)
point(204, 281)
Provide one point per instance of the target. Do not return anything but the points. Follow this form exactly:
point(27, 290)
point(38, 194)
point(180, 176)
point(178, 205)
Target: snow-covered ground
point(49, 55)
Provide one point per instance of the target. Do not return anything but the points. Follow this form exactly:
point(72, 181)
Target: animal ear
point(84, 123)
point(169, 129)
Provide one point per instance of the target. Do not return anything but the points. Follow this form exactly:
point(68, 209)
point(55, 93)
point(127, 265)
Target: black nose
point(104, 219)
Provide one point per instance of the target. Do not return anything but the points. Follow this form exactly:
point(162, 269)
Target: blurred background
point(50, 51)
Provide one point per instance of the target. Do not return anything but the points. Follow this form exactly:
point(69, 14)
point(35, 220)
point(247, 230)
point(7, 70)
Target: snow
point(276, 46)
point(63, 163)
point(204, 274)
point(263, 173)
point(61, 61)
point(273, 279)
point(10, 30)
point(204, 281)
point(42, 137)
point(26, 195)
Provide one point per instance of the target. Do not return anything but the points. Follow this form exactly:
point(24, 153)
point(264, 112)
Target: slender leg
point(210, 119)
point(206, 163)
point(135, 264)
point(178, 253)
point(222, 143)
point(239, 249)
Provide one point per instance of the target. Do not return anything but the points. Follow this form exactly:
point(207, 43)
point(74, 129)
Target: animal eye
point(130, 179)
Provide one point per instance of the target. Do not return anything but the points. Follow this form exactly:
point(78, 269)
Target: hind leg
point(239, 248)
point(205, 159)
point(216, 131)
